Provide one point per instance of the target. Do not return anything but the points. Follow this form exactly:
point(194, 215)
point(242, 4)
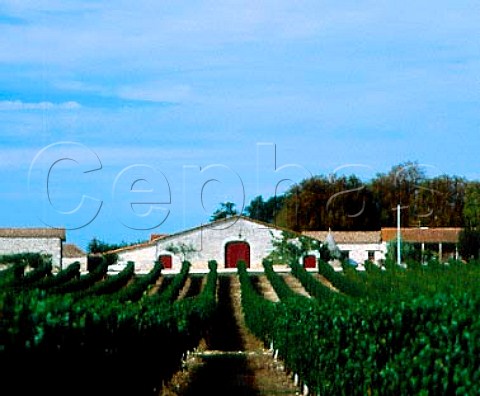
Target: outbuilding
point(226, 241)
point(46, 241)
point(71, 253)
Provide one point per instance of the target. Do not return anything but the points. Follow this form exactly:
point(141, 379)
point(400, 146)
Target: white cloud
point(18, 105)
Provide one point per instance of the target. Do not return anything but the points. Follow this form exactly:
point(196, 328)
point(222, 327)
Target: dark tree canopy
point(348, 203)
point(469, 244)
point(341, 203)
point(471, 209)
point(227, 209)
point(265, 211)
point(98, 246)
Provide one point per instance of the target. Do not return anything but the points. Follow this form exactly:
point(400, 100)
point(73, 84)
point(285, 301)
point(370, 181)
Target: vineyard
point(397, 331)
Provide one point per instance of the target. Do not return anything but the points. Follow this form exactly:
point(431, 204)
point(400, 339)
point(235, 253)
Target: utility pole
point(399, 236)
point(399, 254)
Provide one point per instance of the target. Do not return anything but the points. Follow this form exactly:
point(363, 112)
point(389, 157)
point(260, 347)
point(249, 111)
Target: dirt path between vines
point(295, 284)
point(231, 361)
point(324, 281)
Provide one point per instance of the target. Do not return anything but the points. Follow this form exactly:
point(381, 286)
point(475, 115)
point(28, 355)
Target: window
point(371, 255)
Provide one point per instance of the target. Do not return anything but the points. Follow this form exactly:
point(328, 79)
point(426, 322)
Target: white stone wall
point(209, 243)
point(144, 258)
point(51, 246)
point(359, 252)
point(66, 261)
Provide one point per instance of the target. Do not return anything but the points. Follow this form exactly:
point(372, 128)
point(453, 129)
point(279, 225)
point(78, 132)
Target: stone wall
point(143, 256)
point(210, 240)
point(51, 246)
point(66, 261)
point(359, 252)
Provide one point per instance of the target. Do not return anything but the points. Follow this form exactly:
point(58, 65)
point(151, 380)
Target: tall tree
point(347, 203)
point(471, 208)
point(397, 187)
point(469, 244)
point(265, 211)
point(341, 203)
point(227, 209)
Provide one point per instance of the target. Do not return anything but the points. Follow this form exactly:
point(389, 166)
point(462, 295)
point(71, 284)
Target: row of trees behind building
point(348, 203)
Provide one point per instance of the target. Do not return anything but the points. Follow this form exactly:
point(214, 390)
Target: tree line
point(350, 204)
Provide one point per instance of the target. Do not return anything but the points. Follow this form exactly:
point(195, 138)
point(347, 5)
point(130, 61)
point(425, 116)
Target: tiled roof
point(33, 233)
point(70, 250)
point(156, 237)
point(415, 235)
point(347, 236)
point(426, 235)
point(133, 247)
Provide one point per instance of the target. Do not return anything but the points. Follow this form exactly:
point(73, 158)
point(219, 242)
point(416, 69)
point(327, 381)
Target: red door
point(310, 261)
point(166, 260)
point(235, 251)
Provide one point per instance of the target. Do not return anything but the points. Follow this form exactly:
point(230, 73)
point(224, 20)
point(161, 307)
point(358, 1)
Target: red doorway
point(236, 251)
point(166, 260)
point(310, 261)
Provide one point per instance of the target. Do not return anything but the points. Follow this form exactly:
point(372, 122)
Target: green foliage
point(291, 246)
point(84, 281)
point(96, 246)
point(342, 202)
point(112, 283)
point(469, 244)
point(339, 280)
point(40, 272)
point(95, 261)
point(65, 275)
point(311, 285)
point(409, 253)
point(32, 260)
point(171, 292)
point(348, 203)
point(281, 288)
point(227, 209)
point(422, 343)
point(111, 258)
point(265, 211)
point(414, 332)
point(12, 275)
point(325, 253)
point(107, 330)
point(198, 311)
point(259, 313)
point(185, 250)
point(140, 285)
point(471, 208)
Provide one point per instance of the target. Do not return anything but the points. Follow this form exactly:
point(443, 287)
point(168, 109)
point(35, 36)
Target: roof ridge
point(33, 232)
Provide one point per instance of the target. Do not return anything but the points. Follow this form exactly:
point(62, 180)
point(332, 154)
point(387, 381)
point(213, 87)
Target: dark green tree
point(348, 203)
point(227, 209)
point(342, 203)
point(469, 244)
point(471, 208)
point(265, 211)
point(98, 246)
point(432, 202)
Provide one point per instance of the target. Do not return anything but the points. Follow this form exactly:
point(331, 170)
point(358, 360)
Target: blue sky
point(187, 104)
